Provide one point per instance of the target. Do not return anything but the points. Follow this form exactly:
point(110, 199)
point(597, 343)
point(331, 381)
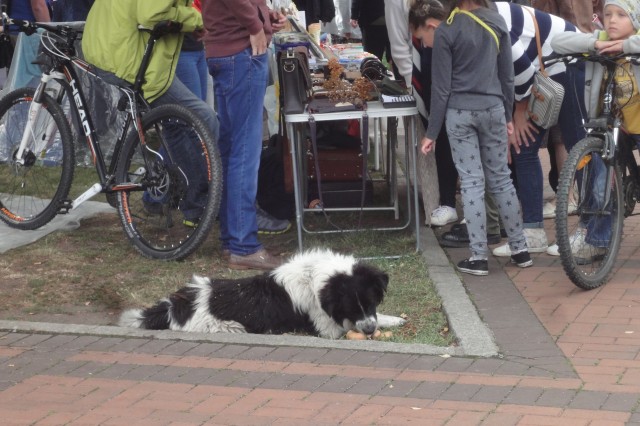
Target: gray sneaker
point(269, 225)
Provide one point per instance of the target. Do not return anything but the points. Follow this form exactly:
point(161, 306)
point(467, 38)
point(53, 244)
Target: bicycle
point(602, 175)
point(165, 163)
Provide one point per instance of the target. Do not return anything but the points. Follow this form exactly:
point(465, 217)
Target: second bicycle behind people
point(620, 35)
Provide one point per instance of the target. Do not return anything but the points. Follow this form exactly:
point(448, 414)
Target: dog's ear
point(383, 279)
point(372, 275)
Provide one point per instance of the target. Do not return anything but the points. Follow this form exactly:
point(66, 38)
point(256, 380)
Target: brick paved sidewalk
point(71, 379)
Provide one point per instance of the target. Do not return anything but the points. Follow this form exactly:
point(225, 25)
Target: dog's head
point(351, 299)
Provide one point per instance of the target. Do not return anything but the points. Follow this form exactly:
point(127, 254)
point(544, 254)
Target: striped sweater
point(523, 42)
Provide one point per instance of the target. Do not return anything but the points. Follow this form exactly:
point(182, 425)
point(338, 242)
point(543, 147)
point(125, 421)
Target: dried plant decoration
point(340, 90)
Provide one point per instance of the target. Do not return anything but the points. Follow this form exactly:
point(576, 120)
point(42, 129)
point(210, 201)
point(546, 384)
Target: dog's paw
point(387, 321)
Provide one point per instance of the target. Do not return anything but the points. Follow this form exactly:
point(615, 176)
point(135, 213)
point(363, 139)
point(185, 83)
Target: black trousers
point(447, 173)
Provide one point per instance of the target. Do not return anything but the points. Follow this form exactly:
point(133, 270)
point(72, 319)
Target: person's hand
point(199, 34)
point(278, 20)
point(258, 43)
point(354, 23)
point(611, 46)
point(524, 130)
point(427, 145)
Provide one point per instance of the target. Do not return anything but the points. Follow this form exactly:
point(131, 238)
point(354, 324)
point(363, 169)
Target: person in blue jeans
point(528, 137)
point(238, 33)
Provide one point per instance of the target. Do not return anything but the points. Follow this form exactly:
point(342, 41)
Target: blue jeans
point(240, 82)
point(179, 94)
point(192, 72)
point(599, 231)
point(527, 164)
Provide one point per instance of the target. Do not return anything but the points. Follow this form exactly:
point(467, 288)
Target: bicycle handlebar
point(163, 28)
point(28, 27)
point(566, 58)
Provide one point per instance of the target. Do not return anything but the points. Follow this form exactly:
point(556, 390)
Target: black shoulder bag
point(295, 81)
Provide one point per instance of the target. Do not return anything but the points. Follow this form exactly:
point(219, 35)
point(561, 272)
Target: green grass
point(95, 266)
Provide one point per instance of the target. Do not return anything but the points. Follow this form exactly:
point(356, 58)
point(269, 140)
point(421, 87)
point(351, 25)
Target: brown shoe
point(258, 260)
point(226, 254)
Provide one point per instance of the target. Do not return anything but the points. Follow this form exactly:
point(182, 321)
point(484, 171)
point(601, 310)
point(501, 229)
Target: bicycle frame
point(63, 72)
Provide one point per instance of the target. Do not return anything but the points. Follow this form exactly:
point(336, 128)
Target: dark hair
point(421, 10)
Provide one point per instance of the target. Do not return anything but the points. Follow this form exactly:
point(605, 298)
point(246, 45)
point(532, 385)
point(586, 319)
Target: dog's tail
point(154, 318)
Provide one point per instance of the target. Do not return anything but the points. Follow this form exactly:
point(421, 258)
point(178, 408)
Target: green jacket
point(112, 41)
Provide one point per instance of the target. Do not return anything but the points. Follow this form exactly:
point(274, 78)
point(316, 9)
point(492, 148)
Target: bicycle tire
point(32, 193)
point(172, 188)
point(588, 264)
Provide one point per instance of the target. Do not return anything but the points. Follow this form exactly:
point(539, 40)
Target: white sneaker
point(587, 254)
point(443, 215)
point(549, 210)
point(577, 241)
point(573, 207)
point(536, 243)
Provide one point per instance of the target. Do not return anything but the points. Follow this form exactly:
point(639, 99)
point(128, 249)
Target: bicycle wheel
point(589, 241)
point(178, 177)
point(33, 188)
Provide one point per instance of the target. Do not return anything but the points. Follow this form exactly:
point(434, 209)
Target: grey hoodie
point(469, 71)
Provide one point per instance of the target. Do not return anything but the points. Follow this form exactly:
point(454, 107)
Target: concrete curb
point(474, 337)
point(227, 338)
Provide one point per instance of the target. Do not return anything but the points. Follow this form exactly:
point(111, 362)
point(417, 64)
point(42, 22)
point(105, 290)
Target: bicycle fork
point(43, 140)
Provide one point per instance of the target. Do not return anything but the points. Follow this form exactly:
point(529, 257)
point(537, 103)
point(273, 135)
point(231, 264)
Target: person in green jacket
point(114, 44)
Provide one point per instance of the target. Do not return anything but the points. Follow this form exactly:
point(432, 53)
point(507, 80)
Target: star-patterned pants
point(479, 149)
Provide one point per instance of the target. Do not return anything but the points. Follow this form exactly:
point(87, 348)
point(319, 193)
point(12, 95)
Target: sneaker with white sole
point(536, 243)
point(474, 267)
point(549, 210)
point(443, 215)
point(522, 259)
point(553, 250)
point(588, 253)
point(577, 241)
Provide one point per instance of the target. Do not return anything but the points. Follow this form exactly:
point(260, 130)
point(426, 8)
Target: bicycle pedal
point(65, 206)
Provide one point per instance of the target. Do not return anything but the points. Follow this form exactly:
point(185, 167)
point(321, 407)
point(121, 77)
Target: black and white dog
point(318, 292)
